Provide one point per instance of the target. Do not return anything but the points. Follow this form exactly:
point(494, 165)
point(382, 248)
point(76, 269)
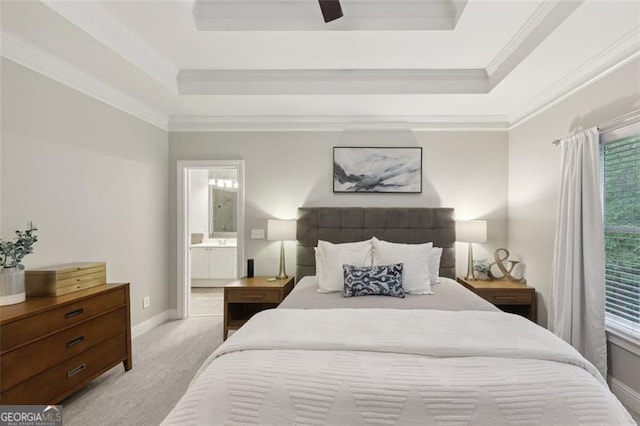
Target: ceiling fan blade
point(331, 10)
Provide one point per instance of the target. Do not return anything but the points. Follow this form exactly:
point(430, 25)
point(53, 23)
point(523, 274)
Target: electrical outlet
point(146, 302)
point(257, 234)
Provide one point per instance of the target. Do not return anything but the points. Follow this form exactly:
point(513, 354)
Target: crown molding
point(20, 51)
point(304, 15)
point(624, 50)
point(522, 34)
point(545, 19)
point(337, 123)
point(331, 81)
point(91, 18)
point(28, 55)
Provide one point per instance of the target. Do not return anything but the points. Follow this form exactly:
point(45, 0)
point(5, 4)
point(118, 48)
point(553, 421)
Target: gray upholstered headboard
point(398, 225)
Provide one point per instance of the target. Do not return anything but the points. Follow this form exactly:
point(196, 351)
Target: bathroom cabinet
point(213, 263)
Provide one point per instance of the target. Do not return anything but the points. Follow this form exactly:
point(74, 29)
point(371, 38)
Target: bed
point(446, 358)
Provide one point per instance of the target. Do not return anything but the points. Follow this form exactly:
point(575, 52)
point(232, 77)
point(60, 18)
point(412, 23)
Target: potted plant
point(11, 269)
point(481, 268)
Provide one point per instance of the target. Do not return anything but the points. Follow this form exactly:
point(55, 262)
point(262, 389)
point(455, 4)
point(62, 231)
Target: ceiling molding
point(538, 26)
point(521, 35)
point(91, 18)
point(27, 54)
point(18, 50)
point(337, 123)
point(458, 7)
point(95, 21)
point(331, 81)
point(545, 19)
point(304, 15)
point(624, 50)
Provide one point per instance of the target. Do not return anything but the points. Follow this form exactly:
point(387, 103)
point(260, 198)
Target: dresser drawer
point(252, 295)
point(22, 331)
point(53, 385)
point(18, 365)
point(508, 297)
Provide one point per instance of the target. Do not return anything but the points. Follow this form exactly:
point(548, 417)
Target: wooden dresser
point(52, 346)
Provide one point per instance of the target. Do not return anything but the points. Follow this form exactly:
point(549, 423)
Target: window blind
point(621, 193)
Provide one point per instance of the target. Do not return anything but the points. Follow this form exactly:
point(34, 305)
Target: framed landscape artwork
point(390, 170)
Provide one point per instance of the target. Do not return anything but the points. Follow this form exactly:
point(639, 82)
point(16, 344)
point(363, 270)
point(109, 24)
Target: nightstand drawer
point(252, 295)
point(510, 296)
point(507, 297)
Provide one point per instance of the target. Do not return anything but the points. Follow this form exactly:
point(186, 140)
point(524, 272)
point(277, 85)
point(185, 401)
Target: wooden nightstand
point(509, 296)
point(247, 296)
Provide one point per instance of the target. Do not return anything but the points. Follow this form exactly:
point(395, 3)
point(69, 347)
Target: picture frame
point(396, 170)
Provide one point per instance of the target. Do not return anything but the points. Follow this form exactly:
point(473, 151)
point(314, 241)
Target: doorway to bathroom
point(210, 228)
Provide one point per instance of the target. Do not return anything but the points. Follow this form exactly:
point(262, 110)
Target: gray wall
point(93, 179)
point(287, 170)
point(534, 173)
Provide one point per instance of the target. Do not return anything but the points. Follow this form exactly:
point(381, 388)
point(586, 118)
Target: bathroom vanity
point(214, 258)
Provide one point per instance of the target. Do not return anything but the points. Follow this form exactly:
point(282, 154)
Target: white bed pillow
point(330, 258)
point(434, 265)
point(414, 257)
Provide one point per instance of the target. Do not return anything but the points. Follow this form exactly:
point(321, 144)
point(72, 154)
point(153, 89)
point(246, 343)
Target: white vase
point(11, 286)
point(482, 276)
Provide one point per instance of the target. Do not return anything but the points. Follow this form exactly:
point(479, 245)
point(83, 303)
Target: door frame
point(183, 286)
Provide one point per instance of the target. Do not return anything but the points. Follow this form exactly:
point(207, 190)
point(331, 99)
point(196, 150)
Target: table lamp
point(472, 231)
point(281, 230)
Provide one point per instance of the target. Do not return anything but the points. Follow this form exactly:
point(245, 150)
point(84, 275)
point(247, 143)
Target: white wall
point(91, 177)
point(534, 166)
point(287, 170)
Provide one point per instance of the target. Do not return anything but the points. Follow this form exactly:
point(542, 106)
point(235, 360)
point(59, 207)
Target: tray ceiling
point(275, 64)
point(303, 15)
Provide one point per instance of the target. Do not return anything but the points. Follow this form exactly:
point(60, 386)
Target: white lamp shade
point(472, 231)
point(281, 230)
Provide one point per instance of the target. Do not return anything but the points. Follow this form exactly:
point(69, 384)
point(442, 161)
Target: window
point(621, 195)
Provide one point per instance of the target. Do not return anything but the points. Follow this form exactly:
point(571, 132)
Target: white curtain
point(576, 305)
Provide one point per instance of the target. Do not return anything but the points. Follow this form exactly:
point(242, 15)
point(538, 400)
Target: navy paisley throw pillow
point(382, 280)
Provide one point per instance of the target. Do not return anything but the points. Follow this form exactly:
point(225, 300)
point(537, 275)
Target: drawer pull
point(76, 370)
point(506, 297)
point(75, 341)
point(253, 296)
point(74, 313)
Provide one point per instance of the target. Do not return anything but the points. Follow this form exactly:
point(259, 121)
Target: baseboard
point(152, 322)
point(629, 397)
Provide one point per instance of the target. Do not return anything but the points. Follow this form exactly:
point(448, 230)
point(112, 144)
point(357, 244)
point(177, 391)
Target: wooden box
point(63, 279)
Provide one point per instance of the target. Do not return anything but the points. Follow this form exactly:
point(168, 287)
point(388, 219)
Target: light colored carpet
point(165, 359)
point(207, 301)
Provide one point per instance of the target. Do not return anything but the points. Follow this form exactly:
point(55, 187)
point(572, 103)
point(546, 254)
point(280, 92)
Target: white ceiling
point(497, 64)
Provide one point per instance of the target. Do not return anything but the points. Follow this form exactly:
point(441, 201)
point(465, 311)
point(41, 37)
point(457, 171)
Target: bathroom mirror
point(223, 202)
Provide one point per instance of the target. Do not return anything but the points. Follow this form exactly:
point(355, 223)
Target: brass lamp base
point(282, 274)
point(470, 272)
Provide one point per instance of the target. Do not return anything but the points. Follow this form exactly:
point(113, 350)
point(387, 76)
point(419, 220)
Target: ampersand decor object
point(506, 273)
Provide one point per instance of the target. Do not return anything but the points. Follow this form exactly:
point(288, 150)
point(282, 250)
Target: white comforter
point(386, 366)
